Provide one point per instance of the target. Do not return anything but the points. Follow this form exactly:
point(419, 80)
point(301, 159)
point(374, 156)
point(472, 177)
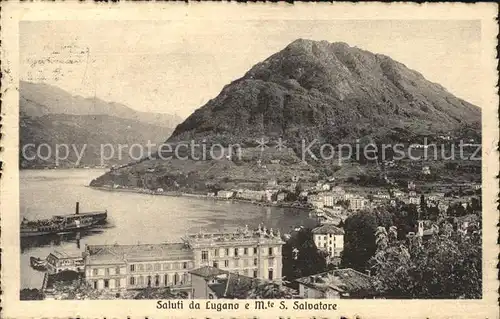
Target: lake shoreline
point(200, 196)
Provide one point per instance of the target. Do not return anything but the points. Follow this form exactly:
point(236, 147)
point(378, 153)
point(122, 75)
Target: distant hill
point(37, 99)
point(53, 116)
point(92, 130)
point(311, 90)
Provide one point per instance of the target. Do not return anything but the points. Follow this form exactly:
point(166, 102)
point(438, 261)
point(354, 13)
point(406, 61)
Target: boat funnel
point(77, 209)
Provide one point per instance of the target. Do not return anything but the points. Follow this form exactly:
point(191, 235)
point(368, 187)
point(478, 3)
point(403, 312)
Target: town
point(359, 239)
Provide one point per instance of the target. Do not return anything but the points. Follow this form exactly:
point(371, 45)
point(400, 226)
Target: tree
point(308, 260)
point(445, 266)
point(359, 240)
point(31, 294)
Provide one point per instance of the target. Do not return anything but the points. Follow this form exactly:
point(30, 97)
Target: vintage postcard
point(224, 160)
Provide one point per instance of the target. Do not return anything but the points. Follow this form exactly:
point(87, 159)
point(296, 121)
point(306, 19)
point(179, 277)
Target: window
point(157, 267)
point(132, 268)
point(255, 273)
point(166, 266)
point(255, 250)
point(149, 281)
point(106, 283)
point(107, 271)
point(95, 272)
point(245, 262)
point(140, 281)
point(117, 270)
point(216, 264)
point(184, 265)
point(204, 256)
point(216, 252)
point(149, 267)
point(236, 252)
point(95, 284)
point(165, 280)
point(132, 281)
point(117, 283)
point(226, 252)
point(226, 263)
point(176, 279)
point(270, 274)
point(270, 251)
point(157, 280)
point(140, 267)
point(255, 262)
point(245, 251)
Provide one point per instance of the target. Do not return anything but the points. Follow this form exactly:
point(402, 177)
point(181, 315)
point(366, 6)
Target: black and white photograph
point(298, 159)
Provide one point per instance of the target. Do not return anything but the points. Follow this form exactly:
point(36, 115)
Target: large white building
point(330, 239)
point(254, 253)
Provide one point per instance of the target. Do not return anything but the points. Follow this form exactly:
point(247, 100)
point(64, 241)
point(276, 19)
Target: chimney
point(77, 209)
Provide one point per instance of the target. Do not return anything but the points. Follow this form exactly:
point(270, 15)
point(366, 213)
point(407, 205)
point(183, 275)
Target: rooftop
point(226, 284)
point(240, 235)
point(65, 255)
point(207, 272)
point(345, 281)
point(103, 254)
point(328, 229)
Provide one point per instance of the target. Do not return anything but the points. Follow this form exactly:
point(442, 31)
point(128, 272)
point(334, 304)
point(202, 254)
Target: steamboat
point(63, 223)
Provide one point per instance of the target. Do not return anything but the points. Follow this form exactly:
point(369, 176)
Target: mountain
point(50, 115)
point(37, 99)
point(309, 91)
point(331, 92)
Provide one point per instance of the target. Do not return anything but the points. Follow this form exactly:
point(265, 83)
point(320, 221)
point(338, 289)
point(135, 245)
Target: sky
point(176, 66)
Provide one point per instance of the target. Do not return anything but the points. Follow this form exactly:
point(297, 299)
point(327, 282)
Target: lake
point(132, 218)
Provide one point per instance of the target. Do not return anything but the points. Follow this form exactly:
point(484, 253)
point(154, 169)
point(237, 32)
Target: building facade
point(330, 239)
point(60, 261)
point(253, 253)
point(125, 267)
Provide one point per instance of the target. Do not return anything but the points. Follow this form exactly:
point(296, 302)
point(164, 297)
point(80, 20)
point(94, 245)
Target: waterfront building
point(317, 201)
point(330, 239)
point(336, 284)
point(225, 194)
point(254, 253)
point(251, 195)
point(272, 182)
point(58, 261)
point(281, 196)
point(125, 267)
